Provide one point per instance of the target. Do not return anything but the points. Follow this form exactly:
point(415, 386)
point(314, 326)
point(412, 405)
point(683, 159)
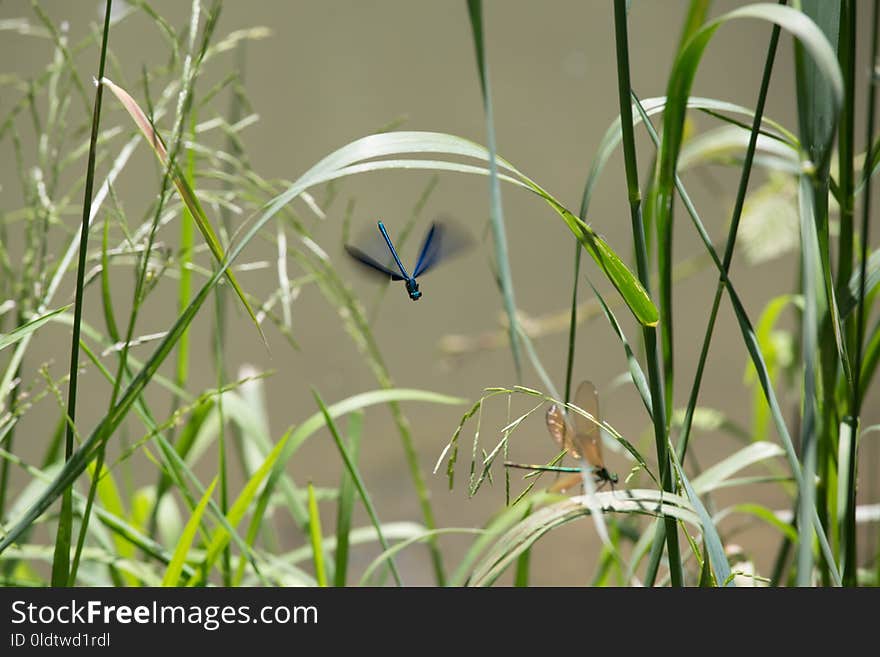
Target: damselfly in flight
point(441, 241)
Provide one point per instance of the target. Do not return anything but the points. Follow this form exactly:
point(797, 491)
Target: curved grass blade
point(20, 332)
point(221, 537)
point(316, 421)
point(502, 523)
point(524, 534)
point(765, 515)
point(331, 167)
point(402, 530)
point(421, 537)
point(117, 525)
point(716, 475)
point(349, 160)
point(680, 82)
point(186, 192)
point(172, 574)
point(711, 539)
point(651, 106)
point(753, 346)
point(684, 71)
point(358, 482)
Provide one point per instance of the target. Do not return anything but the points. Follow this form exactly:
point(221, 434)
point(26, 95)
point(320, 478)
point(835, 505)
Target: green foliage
point(811, 356)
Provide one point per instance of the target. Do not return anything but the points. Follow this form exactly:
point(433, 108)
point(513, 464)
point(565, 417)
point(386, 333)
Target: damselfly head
point(413, 289)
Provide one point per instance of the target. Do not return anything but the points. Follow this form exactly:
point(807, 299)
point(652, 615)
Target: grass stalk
point(849, 574)
point(61, 559)
point(475, 11)
point(733, 229)
point(752, 345)
point(140, 291)
point(655, 378)
point(316, 537)
point(846, 54)
point(354, 473)
point(573, 319)
point(345, 506)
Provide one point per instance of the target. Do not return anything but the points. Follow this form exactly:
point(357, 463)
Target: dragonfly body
point(441, 241)
point(411, 286)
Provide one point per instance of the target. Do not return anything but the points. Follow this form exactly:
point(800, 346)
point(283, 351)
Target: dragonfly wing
point(443, 240)
point(565, 483)
point(559, 430)
point(587, 437)
point(371, 263)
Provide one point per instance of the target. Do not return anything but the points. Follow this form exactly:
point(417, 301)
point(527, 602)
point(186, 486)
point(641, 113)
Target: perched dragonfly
point(442, 240)
point(585, 441)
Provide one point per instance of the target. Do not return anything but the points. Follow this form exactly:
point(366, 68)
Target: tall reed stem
point(655, 378)
point(61, 559)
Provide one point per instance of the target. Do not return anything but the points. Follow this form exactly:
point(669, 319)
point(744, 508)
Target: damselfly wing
point(443, 240)
point(585, 440)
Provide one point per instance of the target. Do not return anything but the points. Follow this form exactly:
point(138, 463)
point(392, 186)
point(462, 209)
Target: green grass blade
point(186, 192)
point(818, 112)
point(61, 562)
point(716, 475)
point(315, 537)
point(753, 346)
point(684, 70)
point(358, 482)
point(345, 506)
point(810, 420)
point(506, 519)
point(21, 332)
point(420, 537)
point(850, 571)
point(106, 297)
point(660, 205)
point(521, 574)
point(613, 135)
point(819, 96)
point(768, 517)
point(846, 53)
point(658, 411)
point(849, 300)
point(475, 12)
point(117, 525)
point(242, 504)
point(711, 539)
point(524, 534)
point(349, 160)
point(185, 254)
point(175, 568)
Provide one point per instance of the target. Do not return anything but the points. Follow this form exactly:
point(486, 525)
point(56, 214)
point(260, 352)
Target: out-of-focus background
point(332, 71)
